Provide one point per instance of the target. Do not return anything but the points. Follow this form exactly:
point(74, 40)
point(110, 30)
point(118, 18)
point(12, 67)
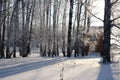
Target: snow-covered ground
point(58, 68)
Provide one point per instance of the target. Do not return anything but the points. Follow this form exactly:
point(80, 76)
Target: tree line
point(51, 25)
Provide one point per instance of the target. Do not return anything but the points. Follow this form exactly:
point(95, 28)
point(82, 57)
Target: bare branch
point(115, 26)
point(115, 40)
point(93, 14)
point(115, 45)
point(114, 2)
point(115, 18)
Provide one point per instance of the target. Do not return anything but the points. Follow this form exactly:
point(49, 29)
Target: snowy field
point(58, 68)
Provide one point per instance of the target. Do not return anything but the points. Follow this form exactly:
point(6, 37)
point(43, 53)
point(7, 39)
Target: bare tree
point(49, 29)
point(1, 3)
point(12, 25)
point(31, 25)
point(77, 41)
point(69, 46)
point(54, 27)
point(27, 18)
point(64, 29)
point(107, 29)
point(4, 28)
point(41, 27)
point(8, 35)
point(16, 25)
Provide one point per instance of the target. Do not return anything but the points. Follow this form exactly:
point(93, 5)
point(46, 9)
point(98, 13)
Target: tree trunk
point(49, 30)
point(8, 55)
point(69, 45)
point(107, 32)
point(41, 27)
point(57, 25)
point(87, 16)
point(54, 28)
point(85, 13)
point(0, 28)
point(76, 44)
point(16, 23)
point(3, 30)
point(31, 26)
point(64, 29)
point(23, 41)
point(27, 27)
point(88, 23)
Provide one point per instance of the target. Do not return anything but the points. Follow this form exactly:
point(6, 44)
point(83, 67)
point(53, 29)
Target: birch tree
point(64, 29)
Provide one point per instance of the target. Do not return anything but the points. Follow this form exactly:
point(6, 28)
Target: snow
point(58, 68)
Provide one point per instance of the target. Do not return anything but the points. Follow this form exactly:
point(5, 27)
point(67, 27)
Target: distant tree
point(27, 20)
point(49, 28)
point(1, 2)
point(77, 40)
point(31, 25)
point(64, 29)
point(87, 20)
point(8, 34)
point(3, 28)
point(12, 25)
point(69, 46)
point(40, 26)
point(16, 25)
point(54, 51)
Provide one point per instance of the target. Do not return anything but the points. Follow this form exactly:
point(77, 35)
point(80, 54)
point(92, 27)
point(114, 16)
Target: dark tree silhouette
point(107, 31)
point(69, 47)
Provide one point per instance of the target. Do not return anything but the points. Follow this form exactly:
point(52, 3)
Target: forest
point(54, 26)
point(59, 39)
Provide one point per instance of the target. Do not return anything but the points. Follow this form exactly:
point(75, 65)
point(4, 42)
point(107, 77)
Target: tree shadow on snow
point(27, 67)
point(105, 72)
